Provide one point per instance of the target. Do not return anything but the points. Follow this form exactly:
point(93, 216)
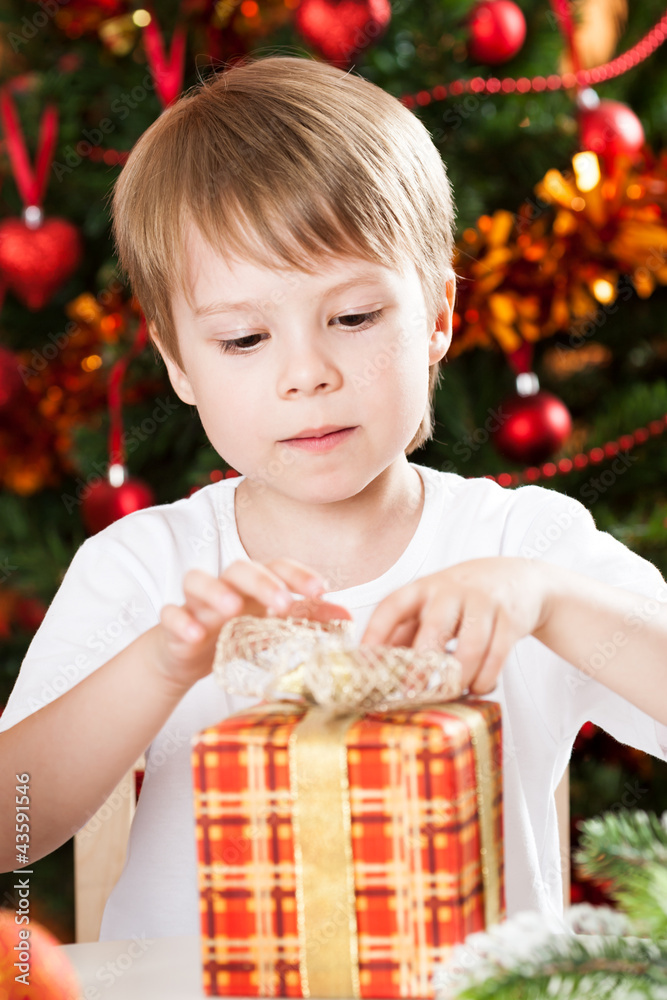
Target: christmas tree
point(557, 371)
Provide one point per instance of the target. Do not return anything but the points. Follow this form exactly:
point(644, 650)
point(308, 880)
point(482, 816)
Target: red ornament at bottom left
point(32, 965)
point(106, 503)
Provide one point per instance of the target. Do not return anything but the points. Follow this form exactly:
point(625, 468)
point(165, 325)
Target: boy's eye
point(242, 345)
point(362, 318)
point(237, 346)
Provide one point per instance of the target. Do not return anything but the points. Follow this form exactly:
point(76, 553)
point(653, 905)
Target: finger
point(474, 636)
point(181, 624)
point(474, 630)
point(404, 634)
point(499, 649)
point(263, 584)
point(300, 578)
point(209, 599)
point(245, 587)
point(401, 606)
point(439, 623)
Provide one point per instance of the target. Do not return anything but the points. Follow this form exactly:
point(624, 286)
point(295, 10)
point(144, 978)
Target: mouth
point(317, 432)
point(320, 440)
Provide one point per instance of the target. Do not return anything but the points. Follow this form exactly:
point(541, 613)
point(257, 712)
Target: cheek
point(401, 366)
point(400, 359)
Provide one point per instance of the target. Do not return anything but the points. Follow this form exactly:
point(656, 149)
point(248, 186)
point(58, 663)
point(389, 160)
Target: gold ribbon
point(325, 896)
point(481, 745)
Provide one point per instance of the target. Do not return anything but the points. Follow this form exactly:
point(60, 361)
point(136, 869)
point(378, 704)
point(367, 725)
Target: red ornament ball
point(611, 130)
point(11, 383)
point(49, 974)
point(103, 503)
point(534, 427)
point(339, 29)
point(36, 262)
point(497, 31)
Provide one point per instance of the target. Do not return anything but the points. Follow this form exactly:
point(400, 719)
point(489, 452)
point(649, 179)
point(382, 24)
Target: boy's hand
point(488, 604)
point(187, 634)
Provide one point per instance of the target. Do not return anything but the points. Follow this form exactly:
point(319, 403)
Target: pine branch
point(629, 849)
point(561, 965)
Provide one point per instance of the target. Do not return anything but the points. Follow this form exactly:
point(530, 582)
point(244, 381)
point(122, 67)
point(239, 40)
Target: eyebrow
point(363, 278)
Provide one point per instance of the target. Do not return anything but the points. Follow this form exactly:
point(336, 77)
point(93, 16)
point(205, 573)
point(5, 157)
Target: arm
point(77, 748)
point(612, 635)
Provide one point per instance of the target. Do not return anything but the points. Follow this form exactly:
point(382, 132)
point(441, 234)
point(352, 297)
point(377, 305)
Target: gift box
point(344, 853)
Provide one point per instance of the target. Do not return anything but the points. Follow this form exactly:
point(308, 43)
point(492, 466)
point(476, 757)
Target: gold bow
point(296, 657)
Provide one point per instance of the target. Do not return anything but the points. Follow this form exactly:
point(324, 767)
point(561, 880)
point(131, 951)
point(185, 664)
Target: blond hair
point(287, 159)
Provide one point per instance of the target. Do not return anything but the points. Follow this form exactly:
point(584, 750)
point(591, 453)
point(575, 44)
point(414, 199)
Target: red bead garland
point(579, 461)
point(644, 48)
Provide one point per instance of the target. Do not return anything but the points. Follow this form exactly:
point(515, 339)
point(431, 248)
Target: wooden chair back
point(100, 848)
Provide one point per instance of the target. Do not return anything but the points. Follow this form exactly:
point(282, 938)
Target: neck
point(371, 525)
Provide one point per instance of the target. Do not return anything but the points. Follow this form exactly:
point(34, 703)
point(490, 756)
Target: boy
point(287, 229)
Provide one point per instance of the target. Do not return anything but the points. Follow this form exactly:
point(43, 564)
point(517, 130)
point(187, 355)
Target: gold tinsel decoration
point(564, 259)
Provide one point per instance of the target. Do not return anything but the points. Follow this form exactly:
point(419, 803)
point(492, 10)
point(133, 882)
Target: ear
point(441, 337)
point(179, 380)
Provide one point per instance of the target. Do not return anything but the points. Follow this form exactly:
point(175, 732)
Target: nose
point(307, 366)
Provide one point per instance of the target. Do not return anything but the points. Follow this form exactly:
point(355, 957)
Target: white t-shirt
point(119, 580)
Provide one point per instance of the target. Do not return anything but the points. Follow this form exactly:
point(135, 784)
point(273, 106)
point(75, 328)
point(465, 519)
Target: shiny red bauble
point(611, 130)
point(497, 31)
point(533, 427)
point(339, 29)
point(103, 503)
point(32, 965)
point(35, 263)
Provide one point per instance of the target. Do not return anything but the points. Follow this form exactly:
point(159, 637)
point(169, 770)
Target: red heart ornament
point(340, 28)
point(36, 262)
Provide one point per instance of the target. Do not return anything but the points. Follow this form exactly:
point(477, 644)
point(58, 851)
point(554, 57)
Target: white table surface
point(163, 969)
point(160, 969)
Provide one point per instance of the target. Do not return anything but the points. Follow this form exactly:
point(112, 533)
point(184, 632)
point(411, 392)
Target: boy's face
point(348, 347)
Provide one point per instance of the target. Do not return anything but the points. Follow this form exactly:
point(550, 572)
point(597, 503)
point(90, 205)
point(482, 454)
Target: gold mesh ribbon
point(296, 657)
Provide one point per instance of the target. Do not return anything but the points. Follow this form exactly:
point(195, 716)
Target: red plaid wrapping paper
point(415, 826)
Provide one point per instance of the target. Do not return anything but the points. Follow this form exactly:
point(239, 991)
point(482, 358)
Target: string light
point(586, 170)
point(141, 18)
